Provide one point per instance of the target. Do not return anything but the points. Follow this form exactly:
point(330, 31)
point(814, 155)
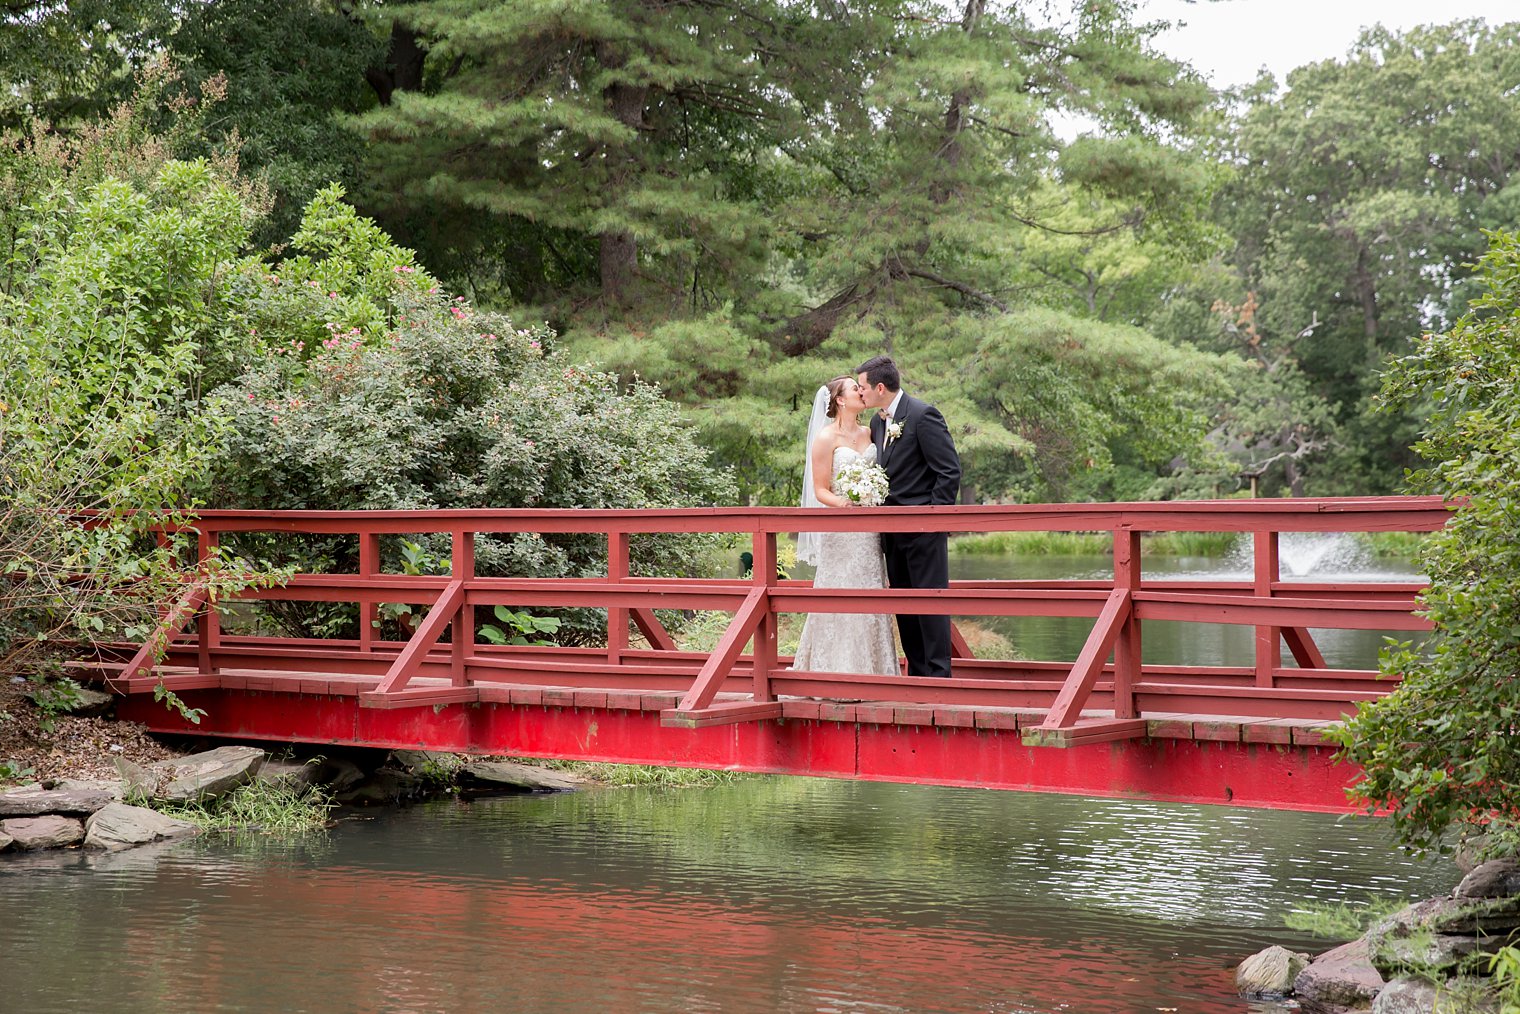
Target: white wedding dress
point(849, 642)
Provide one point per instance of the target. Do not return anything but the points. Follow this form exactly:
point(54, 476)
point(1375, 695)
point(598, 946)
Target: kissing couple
point(908, 438)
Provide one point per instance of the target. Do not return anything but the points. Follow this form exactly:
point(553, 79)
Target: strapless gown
point(849, 642)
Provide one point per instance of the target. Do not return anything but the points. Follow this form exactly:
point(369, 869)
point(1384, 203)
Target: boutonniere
point(894, 430)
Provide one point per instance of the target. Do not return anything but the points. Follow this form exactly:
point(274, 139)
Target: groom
point(913, 444)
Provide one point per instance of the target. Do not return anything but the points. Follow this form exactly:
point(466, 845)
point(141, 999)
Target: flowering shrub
point(407, 397)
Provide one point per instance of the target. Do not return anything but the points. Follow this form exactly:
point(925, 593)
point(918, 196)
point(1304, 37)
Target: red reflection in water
point(352, 939)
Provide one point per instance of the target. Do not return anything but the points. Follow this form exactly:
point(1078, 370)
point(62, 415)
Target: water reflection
point(769, 895)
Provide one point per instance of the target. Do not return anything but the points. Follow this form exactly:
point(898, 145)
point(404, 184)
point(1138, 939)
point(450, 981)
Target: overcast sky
point(1228, 41)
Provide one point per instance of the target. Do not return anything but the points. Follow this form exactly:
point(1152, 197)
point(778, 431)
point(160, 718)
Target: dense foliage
point(149, 363)
point(109, 306)
point(367, 386)
point(1441, 751)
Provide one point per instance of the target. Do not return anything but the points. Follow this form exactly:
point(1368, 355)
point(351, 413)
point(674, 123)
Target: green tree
point(609, 142)
point(1440, 751)
point(288, 72)
point(1360, 196)
point(65, 64)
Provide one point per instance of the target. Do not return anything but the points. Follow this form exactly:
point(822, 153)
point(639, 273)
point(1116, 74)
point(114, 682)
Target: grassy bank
point(271, 807)
point(1091, 543)
point(1385, 545)
point(622, 775)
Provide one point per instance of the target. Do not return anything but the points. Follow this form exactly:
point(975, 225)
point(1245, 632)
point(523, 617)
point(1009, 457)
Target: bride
point(841, 642)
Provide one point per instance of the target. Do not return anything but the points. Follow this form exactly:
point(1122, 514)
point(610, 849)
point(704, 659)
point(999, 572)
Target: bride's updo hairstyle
point(836, 388)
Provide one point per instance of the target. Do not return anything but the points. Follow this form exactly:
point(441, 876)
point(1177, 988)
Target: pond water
point(767, 894)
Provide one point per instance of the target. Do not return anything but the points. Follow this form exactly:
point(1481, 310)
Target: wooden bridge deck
point(1249, 735)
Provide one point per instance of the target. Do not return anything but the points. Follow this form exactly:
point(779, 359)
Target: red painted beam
point(1280, 776)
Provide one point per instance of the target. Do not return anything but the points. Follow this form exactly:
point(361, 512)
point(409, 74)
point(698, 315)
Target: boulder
point(81, 702)
point(339, 774)
point(385, 786)
point(1497, 878)
point(137, 782)
point(110, 786)
point(1407, 995)
point(49, 831)
point(294, 775)
point(1438, 937)
point(120, 826)
point(1438, 954)
point(518, 776)
point(5, 841)
point(74, 797)
point(1339, 980)
point(1269, 974)
point(1471, 852)
point(196, 777)
point(89, 703)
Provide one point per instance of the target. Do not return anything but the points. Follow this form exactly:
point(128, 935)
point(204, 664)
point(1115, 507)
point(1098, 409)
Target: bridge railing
point(1102, 693)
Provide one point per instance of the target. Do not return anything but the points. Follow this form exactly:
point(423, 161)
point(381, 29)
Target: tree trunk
point(402, 70)
point(619, 252)
point(1366, 296)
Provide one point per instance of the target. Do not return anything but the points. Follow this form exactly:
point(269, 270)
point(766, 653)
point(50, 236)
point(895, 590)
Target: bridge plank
point(413, 697)
point(1085, 731)
point(721, 713)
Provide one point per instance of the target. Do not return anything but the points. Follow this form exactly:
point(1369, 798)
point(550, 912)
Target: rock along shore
point(1431, 957)
point(109, 814)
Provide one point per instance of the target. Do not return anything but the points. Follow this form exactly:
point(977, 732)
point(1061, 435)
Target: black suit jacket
point(921, 463)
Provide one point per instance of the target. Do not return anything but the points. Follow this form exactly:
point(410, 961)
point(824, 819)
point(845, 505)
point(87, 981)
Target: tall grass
point(623, 775)
point(1341, 920)
point(1383, 545)
point(1394, 545)
point(1091, 543)
point(270, 807)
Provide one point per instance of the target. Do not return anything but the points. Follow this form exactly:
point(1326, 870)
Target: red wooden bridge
point(1101, 724)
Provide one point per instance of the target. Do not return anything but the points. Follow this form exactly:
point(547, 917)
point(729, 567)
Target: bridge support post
point(207, 628)
point(617, 616)
point(462, 636)
point(765, 633)
point(1268, 639)
point(369, 566)
point(1127, 663)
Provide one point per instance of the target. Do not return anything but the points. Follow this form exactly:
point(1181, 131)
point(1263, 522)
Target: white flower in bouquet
point(862, 482)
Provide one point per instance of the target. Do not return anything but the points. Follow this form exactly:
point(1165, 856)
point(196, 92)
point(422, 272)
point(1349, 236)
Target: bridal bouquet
point(862, 482)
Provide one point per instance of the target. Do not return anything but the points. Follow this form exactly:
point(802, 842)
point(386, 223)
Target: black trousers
point(921, 560)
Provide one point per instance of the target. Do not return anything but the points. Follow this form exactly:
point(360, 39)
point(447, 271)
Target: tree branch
point(960, 287)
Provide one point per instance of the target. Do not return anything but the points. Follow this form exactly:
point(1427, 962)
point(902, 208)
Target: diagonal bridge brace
point(392, 691)
point(138, 673)
point(697, 709)
point(1064, 725)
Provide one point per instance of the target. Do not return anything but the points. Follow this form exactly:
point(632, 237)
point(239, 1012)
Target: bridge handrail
point(1324, 514)
point(1279, 611)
